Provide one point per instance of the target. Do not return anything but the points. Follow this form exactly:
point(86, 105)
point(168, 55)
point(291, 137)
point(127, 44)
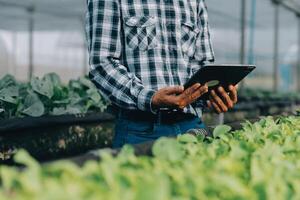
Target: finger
point(233, 94)
point(187, 94)
point(198, 93)
point(191, 89)
point(174, 90)
point(215, 106)
point(209, 104)
point(225, 97)
point(218, 100)
point(172, 101)
point(191, 96)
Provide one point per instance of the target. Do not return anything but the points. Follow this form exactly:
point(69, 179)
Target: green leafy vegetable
point(42, 87)
point(48, 96)
point(33, 106)
point(249, 164)
point(221, 130)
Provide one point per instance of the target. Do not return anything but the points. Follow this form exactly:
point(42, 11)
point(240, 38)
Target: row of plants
point(48, 96)
point(260, 161)
point(251, 95)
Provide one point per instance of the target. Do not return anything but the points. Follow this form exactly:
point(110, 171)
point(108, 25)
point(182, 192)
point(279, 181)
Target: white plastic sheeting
point(225, 23)
point(59, 40)
point(3, 58)
point(58, 37)
point(48, 14)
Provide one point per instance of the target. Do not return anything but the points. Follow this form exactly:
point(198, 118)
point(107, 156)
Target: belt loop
point(159, 117)
point(119, 113)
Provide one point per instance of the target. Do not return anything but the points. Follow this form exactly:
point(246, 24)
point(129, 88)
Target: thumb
point(174, 90)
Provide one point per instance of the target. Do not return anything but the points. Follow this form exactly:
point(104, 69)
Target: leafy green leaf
point(86, 82)
point(221, 130)
point(169, 149)
point(43, 87)
point(33, 106)
point(7, 81)
point(9, 94)
point(187, 138)
point(52, 78)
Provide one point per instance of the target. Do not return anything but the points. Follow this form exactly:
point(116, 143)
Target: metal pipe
point(31, 42)
point(14, 53)
point(84, 49)
point(298, 64)
point(243, 37)
point(251, 58)
point(52, 12)
point(243, 31)
point(276, 47)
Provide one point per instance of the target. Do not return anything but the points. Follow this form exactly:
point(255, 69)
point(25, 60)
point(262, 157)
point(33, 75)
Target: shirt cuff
point(145, 100)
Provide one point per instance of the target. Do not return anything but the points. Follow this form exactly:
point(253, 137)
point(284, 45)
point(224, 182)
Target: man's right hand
point(176, 97)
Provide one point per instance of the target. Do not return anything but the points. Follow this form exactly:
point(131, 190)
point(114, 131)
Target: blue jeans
point(135, 132)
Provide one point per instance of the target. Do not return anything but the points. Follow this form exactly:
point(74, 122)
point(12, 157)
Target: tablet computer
point(219, 75)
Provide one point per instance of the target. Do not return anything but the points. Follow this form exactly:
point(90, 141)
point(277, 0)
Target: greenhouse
point(137, 100)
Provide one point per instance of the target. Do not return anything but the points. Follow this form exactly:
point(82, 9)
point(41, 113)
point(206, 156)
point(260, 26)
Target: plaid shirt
point(139, 46)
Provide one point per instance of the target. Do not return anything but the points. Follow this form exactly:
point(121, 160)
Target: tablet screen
point(220, 75)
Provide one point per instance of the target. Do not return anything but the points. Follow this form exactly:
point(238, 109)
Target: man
point(141, 53)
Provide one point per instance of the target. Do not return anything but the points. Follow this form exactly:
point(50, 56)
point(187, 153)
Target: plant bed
point(51, 137)
point(51, 119)
point(259, 161)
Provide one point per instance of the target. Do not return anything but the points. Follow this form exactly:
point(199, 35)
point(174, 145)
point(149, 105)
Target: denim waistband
point(164, 117)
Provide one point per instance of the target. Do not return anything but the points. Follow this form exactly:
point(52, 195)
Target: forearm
point(120, 87)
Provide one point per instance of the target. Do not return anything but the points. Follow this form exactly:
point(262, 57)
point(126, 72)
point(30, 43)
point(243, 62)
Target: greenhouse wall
point(59, 40)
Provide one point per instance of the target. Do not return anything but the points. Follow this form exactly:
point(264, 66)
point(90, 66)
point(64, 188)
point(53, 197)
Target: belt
point(162, 116)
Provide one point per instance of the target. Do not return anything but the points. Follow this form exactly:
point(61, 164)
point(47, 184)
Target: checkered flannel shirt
point(139, 46)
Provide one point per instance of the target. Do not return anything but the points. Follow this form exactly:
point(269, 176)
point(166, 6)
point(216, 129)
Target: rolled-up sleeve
point(205, 49)
point(104, 36)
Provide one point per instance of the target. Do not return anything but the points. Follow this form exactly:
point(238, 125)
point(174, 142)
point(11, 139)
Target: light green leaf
point(169, 149)
point(52, 78)
point(33, 106)
point(86, 82)
point(187, 138)
point(9, 94)
point(43, 87)
point(221, 130)
point(94, 95)
point(23, 157)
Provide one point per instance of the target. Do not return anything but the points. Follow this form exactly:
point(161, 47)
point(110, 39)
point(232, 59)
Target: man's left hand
point(221, 100)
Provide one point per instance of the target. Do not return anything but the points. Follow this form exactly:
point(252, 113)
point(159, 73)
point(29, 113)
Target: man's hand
point(221, 101)
point(176, 97)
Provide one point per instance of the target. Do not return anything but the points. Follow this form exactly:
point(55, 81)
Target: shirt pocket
point(140, 32)
point(189, 35)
